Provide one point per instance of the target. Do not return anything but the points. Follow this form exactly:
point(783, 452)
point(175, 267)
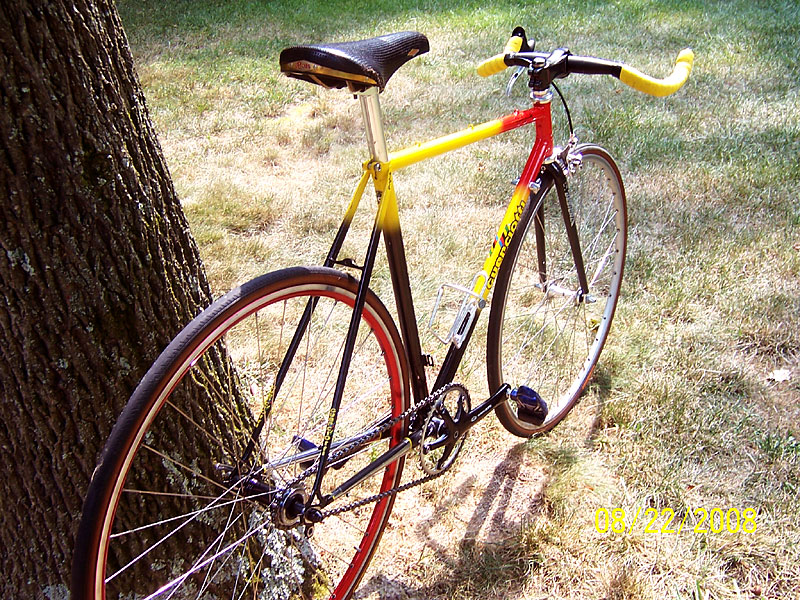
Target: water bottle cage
point(471, 305)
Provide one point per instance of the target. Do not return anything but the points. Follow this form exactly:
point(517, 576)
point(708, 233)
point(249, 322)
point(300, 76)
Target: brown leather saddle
point(356, 65)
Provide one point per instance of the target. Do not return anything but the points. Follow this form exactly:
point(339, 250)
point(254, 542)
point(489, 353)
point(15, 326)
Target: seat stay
point(347, 354)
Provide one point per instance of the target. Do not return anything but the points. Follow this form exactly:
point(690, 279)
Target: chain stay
point(411, 411)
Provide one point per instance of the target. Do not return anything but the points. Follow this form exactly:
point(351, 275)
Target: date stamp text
point(666, 521)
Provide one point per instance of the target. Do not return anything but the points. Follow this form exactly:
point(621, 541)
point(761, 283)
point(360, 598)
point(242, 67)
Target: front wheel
point(543, 332)
point(192, 499)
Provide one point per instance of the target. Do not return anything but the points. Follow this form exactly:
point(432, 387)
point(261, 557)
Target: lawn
point(691, 428)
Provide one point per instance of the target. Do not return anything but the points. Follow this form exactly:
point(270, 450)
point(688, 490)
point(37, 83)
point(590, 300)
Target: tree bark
point(98, 270)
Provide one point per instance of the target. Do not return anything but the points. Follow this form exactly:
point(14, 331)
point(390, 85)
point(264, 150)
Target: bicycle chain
point(428, 401)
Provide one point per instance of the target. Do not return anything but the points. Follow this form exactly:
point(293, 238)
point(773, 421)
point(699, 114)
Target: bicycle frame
point(387, 220)
point(380, 169)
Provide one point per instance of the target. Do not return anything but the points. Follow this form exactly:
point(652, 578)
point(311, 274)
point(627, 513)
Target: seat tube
point(373, 120)
point(393, 238)
point(377, 144)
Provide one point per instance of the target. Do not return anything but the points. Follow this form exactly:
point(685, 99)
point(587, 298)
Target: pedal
point(530, 406)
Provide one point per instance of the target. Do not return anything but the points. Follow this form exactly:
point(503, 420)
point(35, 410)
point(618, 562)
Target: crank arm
point(486, 407)
point(411, 442)
point(315, 513)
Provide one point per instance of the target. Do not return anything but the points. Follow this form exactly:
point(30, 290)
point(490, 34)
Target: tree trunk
point(98, 270)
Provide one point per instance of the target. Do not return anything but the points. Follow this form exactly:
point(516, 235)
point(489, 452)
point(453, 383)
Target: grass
point(685, 413)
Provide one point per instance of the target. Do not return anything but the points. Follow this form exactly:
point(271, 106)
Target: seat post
point(373, 121)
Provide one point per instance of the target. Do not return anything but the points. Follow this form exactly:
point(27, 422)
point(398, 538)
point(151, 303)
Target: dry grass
point(696, 402)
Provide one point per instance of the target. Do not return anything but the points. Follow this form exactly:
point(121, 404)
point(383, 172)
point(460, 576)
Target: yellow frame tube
point(414, 154)
point(388, 216)
point(506, 229)
point(381, 173)
point(356, 199)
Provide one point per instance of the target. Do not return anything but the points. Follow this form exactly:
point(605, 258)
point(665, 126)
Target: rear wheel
point(543, 333)
point(187, 502)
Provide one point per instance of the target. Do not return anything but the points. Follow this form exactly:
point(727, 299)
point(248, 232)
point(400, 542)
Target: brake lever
point(513, 80)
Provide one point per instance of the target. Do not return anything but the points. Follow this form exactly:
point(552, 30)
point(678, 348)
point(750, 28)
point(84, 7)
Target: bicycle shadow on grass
point(471, 540)
point(477, 541)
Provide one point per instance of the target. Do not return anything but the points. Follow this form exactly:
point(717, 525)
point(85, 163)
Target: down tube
point(542, 149)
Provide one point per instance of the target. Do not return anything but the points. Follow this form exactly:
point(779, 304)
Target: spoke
point(187, 515)
point(335, 555)
point(323, 392)
point(208, 434)
point(298, 581)
point(545, 353)
point(540, 354)
point(255, 575)
point(167, 494)
point(193, 516)
point(303, 383)
point(182, 466)
point(567, 370)
point(286, 391)
point(232, 379)
point(209, 576)
point(360, 530)
point(154, 546)
point(198, 567)
point(604, 261)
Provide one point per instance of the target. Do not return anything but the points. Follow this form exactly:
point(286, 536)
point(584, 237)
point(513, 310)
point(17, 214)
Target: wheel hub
point(289, 508)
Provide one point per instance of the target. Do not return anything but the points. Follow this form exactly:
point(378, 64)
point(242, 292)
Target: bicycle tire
point(551, 342)
point(183, 520)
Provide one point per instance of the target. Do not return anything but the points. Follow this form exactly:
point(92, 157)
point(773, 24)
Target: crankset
point(444, 430)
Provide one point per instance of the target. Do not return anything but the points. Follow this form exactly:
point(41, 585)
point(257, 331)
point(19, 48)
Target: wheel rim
point(243, 554)
point(550, 341)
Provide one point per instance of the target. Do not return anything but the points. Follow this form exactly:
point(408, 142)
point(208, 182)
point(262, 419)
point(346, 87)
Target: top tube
point(414, 154)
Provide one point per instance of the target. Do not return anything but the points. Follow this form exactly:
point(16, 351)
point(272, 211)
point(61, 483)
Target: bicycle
point(288, 406)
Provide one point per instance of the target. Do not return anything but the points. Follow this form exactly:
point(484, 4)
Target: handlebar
point(496, 64)
point(660, 87)
point(544, 68)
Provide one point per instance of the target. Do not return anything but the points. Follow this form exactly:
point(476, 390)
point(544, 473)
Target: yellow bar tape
point(497, 63)
point(660, 87)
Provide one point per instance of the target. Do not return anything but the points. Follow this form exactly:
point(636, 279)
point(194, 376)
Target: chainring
point(442, 437)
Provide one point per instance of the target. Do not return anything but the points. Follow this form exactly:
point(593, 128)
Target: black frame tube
point(347, 355)
point(398, 268)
